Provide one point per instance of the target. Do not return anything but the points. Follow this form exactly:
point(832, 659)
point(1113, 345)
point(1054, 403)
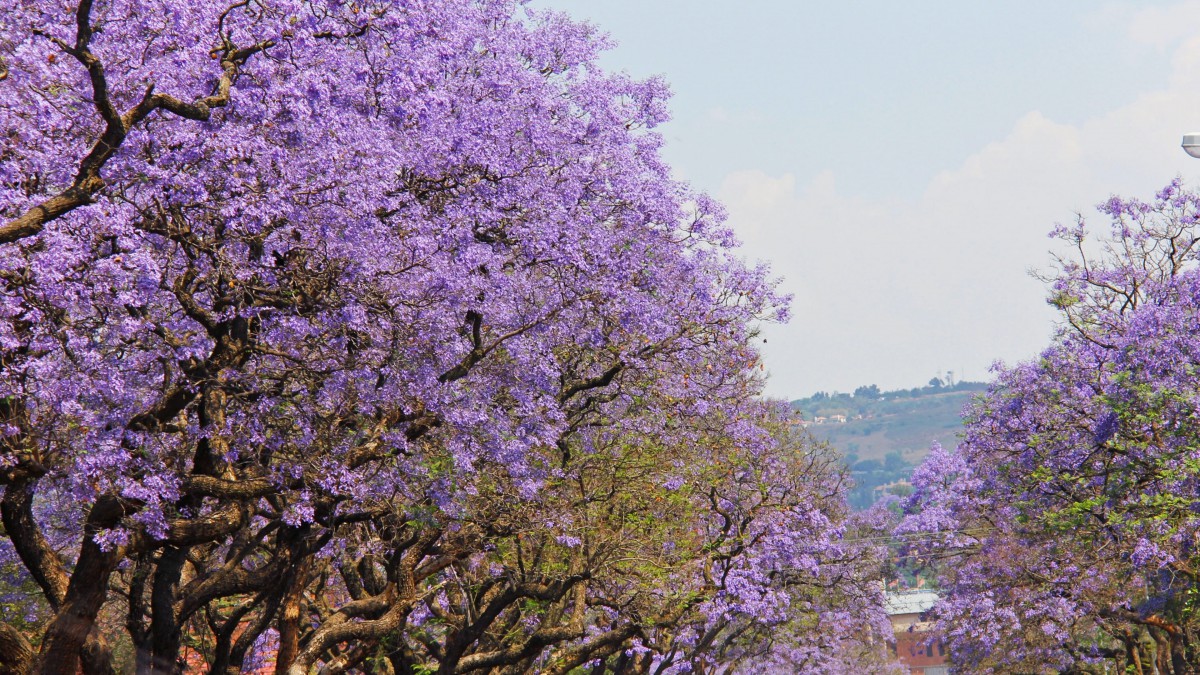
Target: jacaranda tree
point(1066, 523)
point(376, 337)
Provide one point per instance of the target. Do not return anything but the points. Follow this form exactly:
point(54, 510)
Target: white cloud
point(940, 280)
point(1161, 27)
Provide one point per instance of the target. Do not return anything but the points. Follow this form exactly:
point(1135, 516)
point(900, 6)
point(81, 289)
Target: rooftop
point(909, 602)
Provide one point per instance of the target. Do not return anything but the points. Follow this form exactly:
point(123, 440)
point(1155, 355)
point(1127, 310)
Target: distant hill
point(886, 434)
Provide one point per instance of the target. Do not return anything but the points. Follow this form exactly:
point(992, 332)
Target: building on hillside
point(837, 419)
point(900, 487)
point(906, 610)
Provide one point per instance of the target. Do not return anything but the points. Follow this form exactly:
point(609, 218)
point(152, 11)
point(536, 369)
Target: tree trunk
point(290, 619)
point(1133, 652)
point(63, 647)
point(16, 654)
point(165, 633)
point(1179, 661)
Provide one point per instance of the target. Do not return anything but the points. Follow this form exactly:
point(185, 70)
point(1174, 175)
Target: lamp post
point(1191, 144)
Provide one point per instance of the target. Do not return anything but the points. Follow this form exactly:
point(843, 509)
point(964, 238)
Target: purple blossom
point(1066, 514)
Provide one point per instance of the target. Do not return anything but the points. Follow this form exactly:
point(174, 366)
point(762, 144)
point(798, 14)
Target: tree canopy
point(376, 337)
point(1066, 522)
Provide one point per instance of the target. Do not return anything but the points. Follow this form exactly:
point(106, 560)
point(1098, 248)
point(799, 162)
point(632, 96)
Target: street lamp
point(1191, 144)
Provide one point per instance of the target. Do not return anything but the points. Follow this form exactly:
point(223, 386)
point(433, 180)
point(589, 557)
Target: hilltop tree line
point(865, 399)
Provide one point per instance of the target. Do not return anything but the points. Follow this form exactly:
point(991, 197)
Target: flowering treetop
point(310, 311)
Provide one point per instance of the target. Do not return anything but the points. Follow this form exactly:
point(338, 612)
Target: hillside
point(886, 434)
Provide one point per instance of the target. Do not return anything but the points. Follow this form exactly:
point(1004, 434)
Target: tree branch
point(88, 180)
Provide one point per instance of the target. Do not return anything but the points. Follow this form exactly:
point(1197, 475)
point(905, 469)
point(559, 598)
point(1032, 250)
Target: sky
point(899, 165)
